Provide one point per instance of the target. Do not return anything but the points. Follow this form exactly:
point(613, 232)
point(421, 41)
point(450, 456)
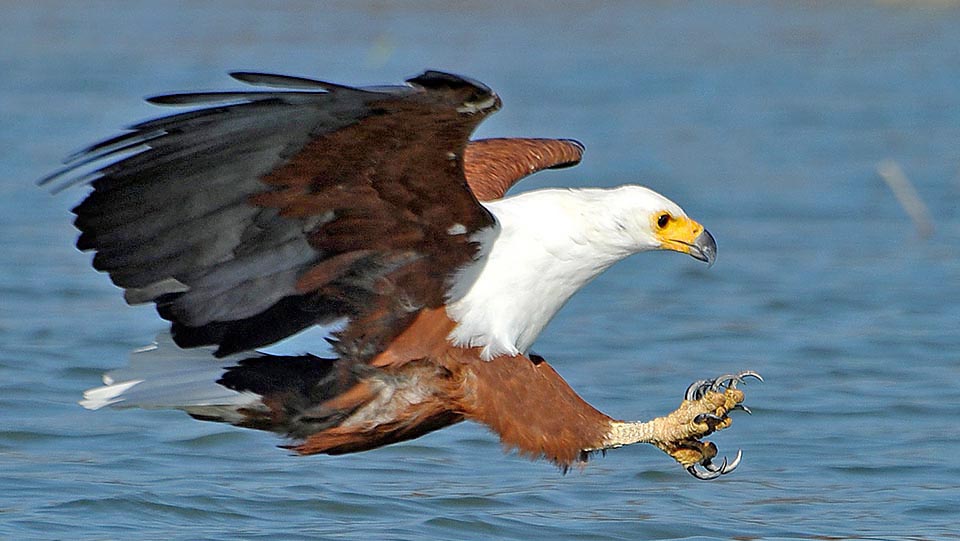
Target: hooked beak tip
point(704, 248)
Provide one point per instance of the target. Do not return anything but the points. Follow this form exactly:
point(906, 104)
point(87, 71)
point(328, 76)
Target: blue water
point(765, 120)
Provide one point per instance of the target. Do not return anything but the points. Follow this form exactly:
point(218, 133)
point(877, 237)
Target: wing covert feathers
point(492, 166)
point(523, 400)
point(533, 410)
point(262, 213)
point(259, 213)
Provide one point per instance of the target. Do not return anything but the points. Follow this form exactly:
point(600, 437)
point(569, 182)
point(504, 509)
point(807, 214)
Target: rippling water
point(764, 120)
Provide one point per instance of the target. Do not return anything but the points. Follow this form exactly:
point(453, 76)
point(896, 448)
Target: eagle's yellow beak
point(681, 234)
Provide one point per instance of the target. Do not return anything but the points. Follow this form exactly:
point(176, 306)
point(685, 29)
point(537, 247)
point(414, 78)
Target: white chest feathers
point(546, 246)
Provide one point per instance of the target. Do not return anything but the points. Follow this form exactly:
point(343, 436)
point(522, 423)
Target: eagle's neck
point(546, 246)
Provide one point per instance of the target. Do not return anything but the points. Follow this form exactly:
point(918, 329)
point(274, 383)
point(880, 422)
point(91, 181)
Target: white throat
point(546, 246)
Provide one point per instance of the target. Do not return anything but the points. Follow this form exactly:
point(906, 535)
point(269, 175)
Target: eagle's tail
point(240, 389)
point(327, 405)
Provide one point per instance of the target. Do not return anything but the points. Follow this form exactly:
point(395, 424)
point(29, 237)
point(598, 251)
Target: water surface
point(765, 120)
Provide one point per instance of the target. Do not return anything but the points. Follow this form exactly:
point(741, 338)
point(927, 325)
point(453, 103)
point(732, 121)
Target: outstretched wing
point(263, 213)
point(492, 166)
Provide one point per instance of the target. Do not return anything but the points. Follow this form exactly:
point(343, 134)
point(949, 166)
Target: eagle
point(367, 216)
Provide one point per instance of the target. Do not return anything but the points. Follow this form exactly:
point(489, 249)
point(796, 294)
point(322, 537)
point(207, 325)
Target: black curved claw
point(713, 471)
point(697, 389)
point(703, 476)
point(704, 417)
point(725, 380)
point(743, 408)
point(730, 381)
point(713, 467)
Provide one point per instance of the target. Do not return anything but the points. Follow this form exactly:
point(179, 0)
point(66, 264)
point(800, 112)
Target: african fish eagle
point(367, 213)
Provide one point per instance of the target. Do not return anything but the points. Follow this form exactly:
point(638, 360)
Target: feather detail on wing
point(265, 212)
point(492, 166)
point(262, 213)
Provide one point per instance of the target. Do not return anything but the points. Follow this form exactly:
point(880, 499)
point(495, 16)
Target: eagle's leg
point(704, 410)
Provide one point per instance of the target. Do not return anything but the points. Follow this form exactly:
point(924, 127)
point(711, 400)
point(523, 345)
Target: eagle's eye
point(663, 220)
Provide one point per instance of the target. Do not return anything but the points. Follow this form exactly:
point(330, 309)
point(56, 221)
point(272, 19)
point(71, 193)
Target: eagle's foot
point(705, 410)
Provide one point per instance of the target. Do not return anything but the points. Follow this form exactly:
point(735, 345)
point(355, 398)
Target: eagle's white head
point(550, 243)
point(631, 219)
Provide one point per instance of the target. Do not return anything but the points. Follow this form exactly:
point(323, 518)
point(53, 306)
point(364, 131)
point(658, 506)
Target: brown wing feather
point(492, 166)
point(420, 384)
point(249, 221)
point(394, 187)
point(530, 406)
point(523, 399)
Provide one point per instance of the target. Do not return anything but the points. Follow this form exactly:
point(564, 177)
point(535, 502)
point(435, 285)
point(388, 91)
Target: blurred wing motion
point(259, 214)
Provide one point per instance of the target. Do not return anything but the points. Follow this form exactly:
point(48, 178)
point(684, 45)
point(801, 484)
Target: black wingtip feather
point(477, 96)
point(53, 176)
point(305, 375)
point(74, 181)
point(113, 145)
point(288, 316)
point(201, 98)
point(441, 79)
point(86, 241)
point(98, 152)
point(274, 80)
